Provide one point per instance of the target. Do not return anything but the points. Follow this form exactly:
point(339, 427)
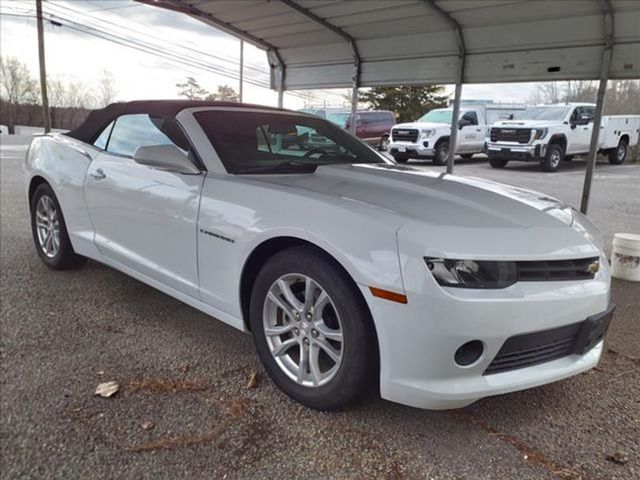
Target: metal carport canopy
point(409, 42)
point(366, 43)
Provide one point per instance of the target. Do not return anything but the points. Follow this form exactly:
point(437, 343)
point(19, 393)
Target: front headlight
point(472, 273)
point(540, 133)
point(428, 133)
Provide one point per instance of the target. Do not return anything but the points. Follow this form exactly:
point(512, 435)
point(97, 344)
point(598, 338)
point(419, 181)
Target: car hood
point(456, 214)
point(526, 123)
point(423, 125)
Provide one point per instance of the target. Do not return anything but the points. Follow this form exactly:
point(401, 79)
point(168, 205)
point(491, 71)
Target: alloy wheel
point(48, 226)
point(303, 330)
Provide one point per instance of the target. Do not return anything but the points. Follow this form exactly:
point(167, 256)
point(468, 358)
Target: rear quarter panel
point(62, 162)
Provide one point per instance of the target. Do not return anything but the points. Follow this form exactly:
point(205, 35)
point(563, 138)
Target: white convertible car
point(353, 274)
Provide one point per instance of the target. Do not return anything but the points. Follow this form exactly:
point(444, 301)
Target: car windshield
point(543, 113)
point(339, 119)
point(437, 116)
point(273, 142)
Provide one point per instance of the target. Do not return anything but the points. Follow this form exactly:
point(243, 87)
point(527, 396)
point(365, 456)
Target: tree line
point(70, 101)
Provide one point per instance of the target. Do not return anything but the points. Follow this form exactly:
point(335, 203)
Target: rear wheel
point(442, 150)
point(553, 158)
point(619, 154)
point(498, 162)
point(312, 330)
point(50, 231)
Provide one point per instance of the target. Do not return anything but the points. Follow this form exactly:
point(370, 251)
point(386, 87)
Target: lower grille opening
point(535, 348)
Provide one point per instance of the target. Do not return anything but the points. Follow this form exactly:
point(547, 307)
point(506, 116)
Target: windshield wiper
point(282, 167)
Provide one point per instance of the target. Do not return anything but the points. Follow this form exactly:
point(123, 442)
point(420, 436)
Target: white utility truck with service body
point(551, 133)
point(428, 137)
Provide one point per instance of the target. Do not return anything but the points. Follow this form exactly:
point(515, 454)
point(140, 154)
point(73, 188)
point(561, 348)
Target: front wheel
point(50, 231)
point(312, 330)
point(619, 154)
point(383, 144)
point(498, 162)
point(553, 158)
point(442, 151)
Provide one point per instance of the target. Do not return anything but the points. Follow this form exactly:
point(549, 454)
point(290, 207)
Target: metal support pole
point(241, 70)
point(597, 120)
point(354, 98)
point(46, 116)
point(453, 139)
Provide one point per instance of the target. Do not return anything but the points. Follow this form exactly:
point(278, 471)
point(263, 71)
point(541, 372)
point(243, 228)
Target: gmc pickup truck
point(428, 137)
point(550, 134)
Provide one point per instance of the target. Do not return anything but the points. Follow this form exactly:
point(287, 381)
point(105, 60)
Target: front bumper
point(516, 152)
point(418, 340)
point(411, 150)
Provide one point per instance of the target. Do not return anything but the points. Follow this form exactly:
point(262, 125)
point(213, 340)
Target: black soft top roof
point(97, 120)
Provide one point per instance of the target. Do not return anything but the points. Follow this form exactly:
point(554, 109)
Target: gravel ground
point(184, 409)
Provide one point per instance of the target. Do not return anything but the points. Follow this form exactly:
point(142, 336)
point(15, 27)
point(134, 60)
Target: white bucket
point(625, 257)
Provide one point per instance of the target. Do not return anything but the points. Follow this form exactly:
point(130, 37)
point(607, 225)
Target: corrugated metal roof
point(408, 42)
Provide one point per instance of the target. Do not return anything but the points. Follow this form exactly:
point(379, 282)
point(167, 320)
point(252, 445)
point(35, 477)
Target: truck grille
point(515, 135)
point(405, 135)
point(541, 271)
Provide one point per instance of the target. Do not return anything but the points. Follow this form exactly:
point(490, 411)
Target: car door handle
point(98, 174)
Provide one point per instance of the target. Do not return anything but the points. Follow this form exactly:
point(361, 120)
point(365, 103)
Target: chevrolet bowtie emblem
point(593, 267)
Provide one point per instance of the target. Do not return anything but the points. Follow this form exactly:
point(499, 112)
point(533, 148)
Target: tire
point(383, 144)
point(342, 382)
point(498, 162)
point(400, 159)
point(553, 158)
point(466, 156)
point(442, 150)
point(50, 231)
point(618, 155)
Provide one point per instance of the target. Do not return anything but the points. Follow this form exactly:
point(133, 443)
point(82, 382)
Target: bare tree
point(191, 89)
point(107, 88)
point(547, 92)
point(225, 94)
point(17, 86)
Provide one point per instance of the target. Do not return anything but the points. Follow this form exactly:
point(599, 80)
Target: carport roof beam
point(183, 7)
point(462, 53)
point(354, 51)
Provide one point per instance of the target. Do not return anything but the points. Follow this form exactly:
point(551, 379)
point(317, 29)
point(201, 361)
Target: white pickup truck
point(551, 133)
point(428, 137)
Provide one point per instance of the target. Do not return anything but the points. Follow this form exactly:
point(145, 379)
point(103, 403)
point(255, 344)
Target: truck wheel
point(619, 154)
point(553, 158)
point(383, 144)
point(466, 156)
point(498, 162)
point(400, 159)
point(442, 150)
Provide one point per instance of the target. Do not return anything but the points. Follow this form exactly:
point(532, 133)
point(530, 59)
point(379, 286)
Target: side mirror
point(165, 157)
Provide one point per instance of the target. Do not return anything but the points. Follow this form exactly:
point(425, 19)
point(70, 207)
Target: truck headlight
point(472, 273)
point(428, 133)
point(540, 133)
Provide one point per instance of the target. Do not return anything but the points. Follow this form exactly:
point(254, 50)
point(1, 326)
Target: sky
point(148, 50)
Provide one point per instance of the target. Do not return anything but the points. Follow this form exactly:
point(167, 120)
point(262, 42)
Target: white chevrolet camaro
point(353, 274)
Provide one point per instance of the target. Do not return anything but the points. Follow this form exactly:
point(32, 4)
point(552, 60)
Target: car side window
point(133, 131)
point(471, 118)
point(103, 138)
